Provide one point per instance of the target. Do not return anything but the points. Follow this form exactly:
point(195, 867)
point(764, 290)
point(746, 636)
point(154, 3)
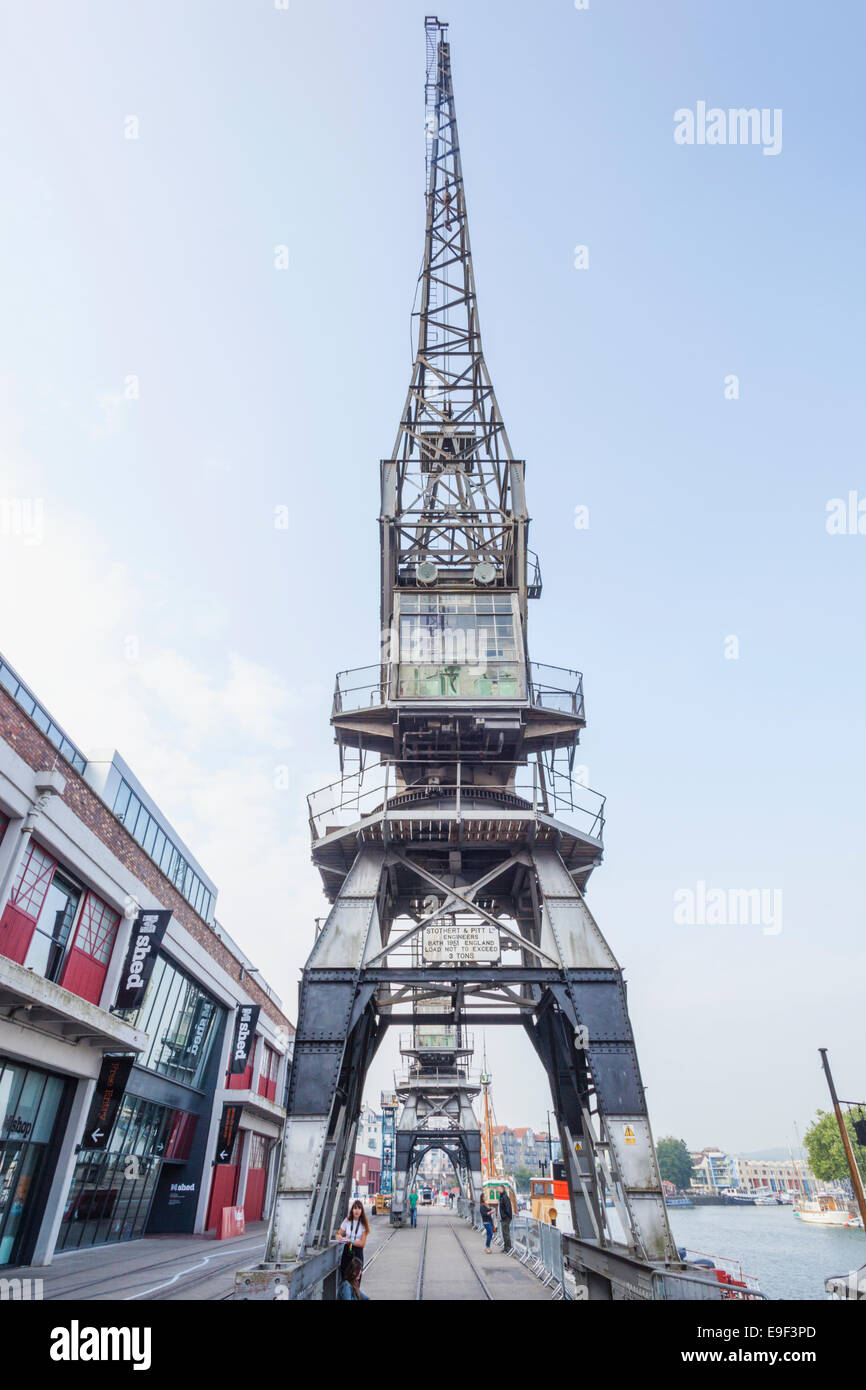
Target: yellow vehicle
point(382, 1202)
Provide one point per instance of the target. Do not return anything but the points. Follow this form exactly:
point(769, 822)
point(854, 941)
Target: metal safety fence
point(535, 1244)
point(569, 1266)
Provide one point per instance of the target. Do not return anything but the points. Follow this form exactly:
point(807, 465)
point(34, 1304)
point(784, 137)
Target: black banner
point(245, 1031)
point(113, 1076)
point(231, 1118)
point(205, 1009)
point(144, 944)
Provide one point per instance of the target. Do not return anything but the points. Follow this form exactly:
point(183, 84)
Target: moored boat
point(549, 1200)
point(826, 1210)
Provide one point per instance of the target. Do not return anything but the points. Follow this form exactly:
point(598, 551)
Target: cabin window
point(459, 646)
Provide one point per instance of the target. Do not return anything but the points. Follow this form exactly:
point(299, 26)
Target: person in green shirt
point(413, 1207)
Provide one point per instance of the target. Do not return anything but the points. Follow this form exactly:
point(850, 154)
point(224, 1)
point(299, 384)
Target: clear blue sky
point(163, 613)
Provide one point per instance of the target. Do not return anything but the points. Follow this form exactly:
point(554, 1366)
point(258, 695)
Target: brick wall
point(33, 747)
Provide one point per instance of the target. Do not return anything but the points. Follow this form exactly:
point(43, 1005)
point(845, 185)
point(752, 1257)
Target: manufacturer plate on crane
point(449, 941)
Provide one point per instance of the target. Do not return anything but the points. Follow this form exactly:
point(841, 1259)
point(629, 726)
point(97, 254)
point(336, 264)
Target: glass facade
point(112, 1189)
point(463, 645)
point(180, 1020)
point(162, 850)
point(40, 716)
point(29, 1103)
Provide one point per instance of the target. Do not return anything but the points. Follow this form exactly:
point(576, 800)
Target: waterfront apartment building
point(367, 1164)
point(715, 1170)
point(760, 1175)
point(712, 1171)
point(143, 1060)
point(524, 1147)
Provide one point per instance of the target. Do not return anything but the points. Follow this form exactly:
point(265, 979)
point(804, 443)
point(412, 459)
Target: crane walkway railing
point(550, 687)
point(517, 787)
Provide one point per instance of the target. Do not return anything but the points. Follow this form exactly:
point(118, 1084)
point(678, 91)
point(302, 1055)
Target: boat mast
point(856, 1180)
point(488, 1118)
point(797, 1177)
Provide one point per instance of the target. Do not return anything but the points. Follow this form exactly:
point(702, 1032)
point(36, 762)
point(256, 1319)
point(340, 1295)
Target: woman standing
point(485, 1211)
point(353, 1233)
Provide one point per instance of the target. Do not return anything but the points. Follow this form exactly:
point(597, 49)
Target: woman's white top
point(353, 1229)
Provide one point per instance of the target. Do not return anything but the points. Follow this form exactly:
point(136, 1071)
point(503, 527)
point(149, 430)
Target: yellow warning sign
point(630, 1137)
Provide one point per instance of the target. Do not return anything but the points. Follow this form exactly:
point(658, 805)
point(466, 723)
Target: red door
point(25, 903)
point(16, 931)
point(257, 1175)
point(224, 1189)
point(255, 1198)
point(87, 963)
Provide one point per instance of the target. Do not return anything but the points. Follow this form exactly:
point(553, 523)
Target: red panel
point(34, 878)
point(16, 932)
point(180, 1138)
point(224, 1186)
point(241, 1081)
point(255, 1198)
point(83, 975)
point(272, 1090)
point(232, 1223)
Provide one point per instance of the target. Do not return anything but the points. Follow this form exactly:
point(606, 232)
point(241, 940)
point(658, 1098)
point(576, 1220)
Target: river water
point(788, 1258)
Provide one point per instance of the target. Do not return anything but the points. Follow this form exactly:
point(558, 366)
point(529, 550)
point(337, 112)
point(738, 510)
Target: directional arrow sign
point(229, 1121)
point(113, 1076)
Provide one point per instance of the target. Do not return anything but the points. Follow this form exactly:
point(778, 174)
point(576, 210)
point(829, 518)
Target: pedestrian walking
point(350, 1289)
point(506, 1212)
point(353, 1233)
point(485, 1211)
point(413, 1207)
